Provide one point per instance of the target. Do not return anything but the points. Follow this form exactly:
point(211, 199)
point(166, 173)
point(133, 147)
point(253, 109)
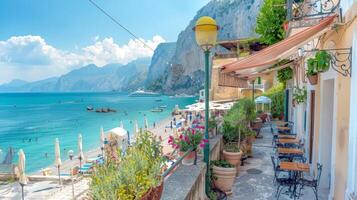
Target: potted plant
point(299, 94)
point(250, 137)
point(318, 64)
point(137, 175)
point(284, 75)
point(212, 124)
point(311, 72)
point(223, 174)
point(233, 155)
point(188, 140)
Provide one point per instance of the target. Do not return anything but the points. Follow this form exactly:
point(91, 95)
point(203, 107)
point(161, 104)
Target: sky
point(45, 38)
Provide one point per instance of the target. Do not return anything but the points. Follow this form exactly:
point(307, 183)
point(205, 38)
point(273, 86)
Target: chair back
point(274, 165)
point(319, 171)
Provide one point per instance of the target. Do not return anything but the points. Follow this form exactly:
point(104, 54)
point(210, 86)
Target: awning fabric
point(273, 54)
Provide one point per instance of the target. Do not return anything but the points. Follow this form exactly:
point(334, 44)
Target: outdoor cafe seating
point(290, 167)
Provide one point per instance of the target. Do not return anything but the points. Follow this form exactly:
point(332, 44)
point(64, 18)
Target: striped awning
point(271, 55)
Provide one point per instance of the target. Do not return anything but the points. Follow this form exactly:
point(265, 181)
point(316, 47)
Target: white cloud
point(107, 51)
point(31, 58)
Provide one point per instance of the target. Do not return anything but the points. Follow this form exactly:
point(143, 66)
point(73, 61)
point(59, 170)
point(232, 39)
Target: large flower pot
point(233, 158)
point(154, 193)
point(313, 79)
point(224, 178)
point(249, 148)
point(189, 159)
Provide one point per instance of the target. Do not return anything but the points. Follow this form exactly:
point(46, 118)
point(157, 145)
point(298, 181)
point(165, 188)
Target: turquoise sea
point(32, 121)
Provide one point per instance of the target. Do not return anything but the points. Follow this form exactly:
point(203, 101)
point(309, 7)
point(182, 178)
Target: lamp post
point(206, 30)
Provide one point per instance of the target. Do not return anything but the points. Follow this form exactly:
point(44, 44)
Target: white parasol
point(58, 161)
point(80, 150)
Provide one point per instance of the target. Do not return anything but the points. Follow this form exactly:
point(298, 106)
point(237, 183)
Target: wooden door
point(312, 124)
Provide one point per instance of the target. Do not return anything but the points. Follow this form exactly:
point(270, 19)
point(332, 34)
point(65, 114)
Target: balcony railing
point(256, 86)
point(309, 12)
point(225, 55)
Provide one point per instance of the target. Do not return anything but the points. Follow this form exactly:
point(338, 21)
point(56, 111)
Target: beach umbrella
point(21, 168)
point(102, 139)
point(80, 150)
point(121, 124)
point(146, 123)
point(58, 161)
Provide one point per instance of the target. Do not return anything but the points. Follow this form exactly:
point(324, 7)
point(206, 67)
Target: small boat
point(157, 110)
point(163, 106)
point(158, 100)
point(90, 108)
point(142, 93)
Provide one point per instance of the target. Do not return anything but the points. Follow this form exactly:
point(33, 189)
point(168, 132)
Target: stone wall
point(188, 182)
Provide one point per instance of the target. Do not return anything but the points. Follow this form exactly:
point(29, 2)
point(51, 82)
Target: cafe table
point(296, 151)
point(286, 136)
point(281, 123)
point(288, 141)
point(296, 169)
point(283, 128)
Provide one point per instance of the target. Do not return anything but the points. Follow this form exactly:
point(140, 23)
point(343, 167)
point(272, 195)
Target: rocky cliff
point(236, 18)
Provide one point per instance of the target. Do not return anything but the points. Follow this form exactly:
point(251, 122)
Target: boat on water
point(163, 106)
point(143, 93)
point(157, 110)
point(90, 108)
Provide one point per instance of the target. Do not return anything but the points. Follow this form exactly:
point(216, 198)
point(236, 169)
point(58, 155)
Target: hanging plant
point(299, 94)
point(323, 60)
point(285, 75)
point(318, 64)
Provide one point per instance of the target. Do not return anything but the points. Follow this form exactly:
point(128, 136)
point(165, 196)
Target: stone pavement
point(255, 180)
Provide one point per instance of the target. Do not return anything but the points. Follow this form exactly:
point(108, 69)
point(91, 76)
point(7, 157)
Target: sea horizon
point(32, 120)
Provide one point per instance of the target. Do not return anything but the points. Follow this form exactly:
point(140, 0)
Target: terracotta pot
point(189, 159)
point(313, 79)
point(224, 178)
point(154, 193)
point(233, 158)
point(286, 26)
point(249, 148)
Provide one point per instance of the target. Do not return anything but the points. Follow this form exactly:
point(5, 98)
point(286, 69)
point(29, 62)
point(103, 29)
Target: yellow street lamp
point(206, 30)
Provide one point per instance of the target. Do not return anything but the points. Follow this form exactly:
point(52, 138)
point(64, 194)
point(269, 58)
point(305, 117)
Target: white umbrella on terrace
point(136, 129)
point(80, 150)
point(102, 139)
point(58, 161)
point(146, 123)
point(21, 167)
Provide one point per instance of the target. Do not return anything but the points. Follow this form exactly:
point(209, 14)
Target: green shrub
point(284, 75)
point(276, 94)
point(222, 163)
point(133, 175)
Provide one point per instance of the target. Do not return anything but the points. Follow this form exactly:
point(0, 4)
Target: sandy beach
point(50, 189)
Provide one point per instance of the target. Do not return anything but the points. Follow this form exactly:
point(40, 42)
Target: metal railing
point(172, 167)
point(302, 9)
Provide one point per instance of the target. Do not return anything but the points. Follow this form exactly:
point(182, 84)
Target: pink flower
point(187, 139)
point(181, 136)
point(205, 140)
point(193, 131)
point(202, 145)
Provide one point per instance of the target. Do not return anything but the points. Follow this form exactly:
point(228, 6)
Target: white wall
point(352, 150)
point(346, 4)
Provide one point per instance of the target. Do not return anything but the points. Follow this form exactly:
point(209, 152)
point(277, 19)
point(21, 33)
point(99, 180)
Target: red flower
point(181, 136)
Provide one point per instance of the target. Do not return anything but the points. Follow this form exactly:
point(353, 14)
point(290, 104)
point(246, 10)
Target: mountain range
point(175, 67)
point(90, 78)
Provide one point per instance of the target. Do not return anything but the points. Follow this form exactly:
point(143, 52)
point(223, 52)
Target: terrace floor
point(255, 181)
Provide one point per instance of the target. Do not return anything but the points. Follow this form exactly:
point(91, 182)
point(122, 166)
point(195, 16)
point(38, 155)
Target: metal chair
point(280, 181)
point(314, 183)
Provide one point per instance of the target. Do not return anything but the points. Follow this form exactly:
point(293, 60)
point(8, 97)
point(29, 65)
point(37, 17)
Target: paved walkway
point(255, 181)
